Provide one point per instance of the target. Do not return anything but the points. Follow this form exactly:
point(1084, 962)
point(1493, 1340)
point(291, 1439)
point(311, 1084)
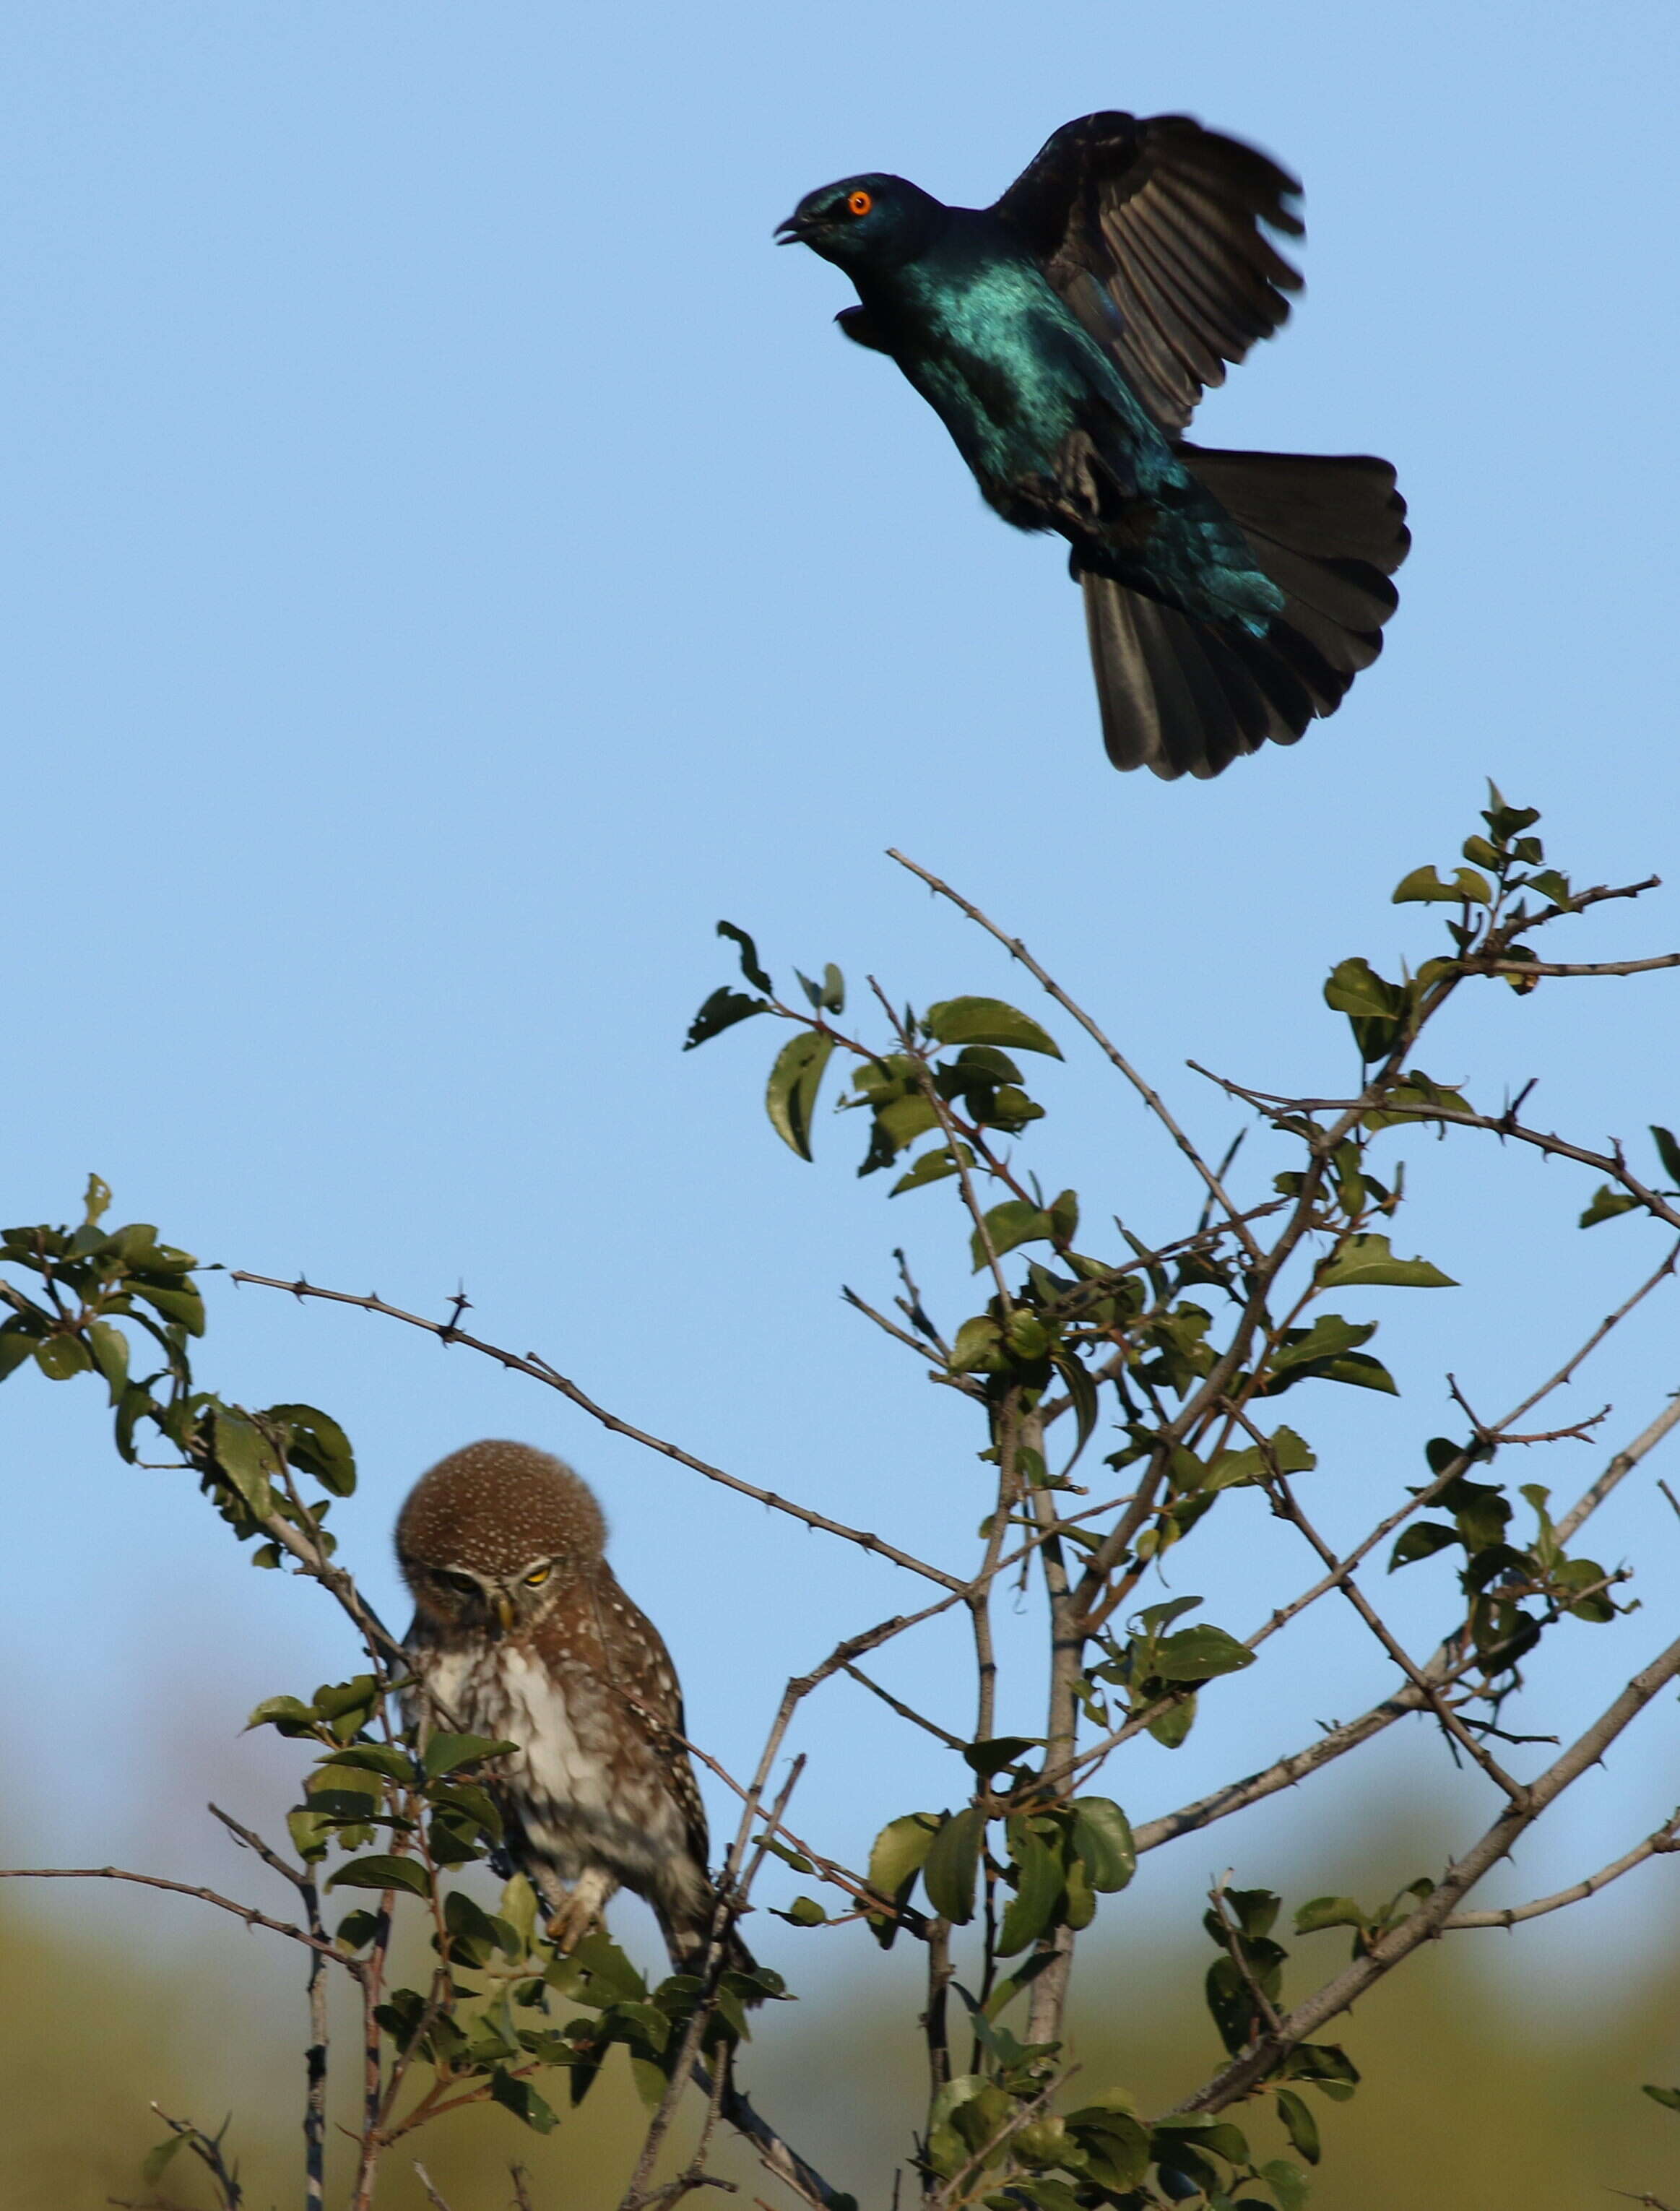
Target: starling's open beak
point(504, 1610)
point(791, 233)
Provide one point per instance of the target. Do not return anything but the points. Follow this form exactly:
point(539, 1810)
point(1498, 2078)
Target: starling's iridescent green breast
point(1012, 372)
point(1064, 336)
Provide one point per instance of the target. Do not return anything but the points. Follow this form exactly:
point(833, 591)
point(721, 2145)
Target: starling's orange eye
point(860, 203)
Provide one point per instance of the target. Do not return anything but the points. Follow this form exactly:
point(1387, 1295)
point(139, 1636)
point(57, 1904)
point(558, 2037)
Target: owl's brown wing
point(640, 1668)
point(1153, 230)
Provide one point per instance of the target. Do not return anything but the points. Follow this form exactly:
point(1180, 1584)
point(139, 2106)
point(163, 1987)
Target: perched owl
point(522, 1633)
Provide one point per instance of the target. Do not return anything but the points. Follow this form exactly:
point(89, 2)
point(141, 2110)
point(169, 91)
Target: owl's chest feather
point(585, 1791)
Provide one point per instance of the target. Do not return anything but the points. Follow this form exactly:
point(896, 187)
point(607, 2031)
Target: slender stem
point(315, 2065)
point(248, 1913)
point(1243, 2073)
point(1664, 1841)
point(1621, 1466)
point(935, 2022)
point(905, 1712)
point(1048, 1998)
point(1018, 950)
point(540, 1370)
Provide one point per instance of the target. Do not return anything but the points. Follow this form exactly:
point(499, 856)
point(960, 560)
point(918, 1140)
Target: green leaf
point(151, 2170)
point(721, 1011)
point(1329, 1912)
point(749, 966)
point(59, 1357)
point(1017, 1220)
point(650, 2083)
point(952, 1864)
point(1586, 1574)
point(1355, 988)
point(1200, 1654)
point(595, 1971)
point(1367, 1261)
point(1298, 2124)
point(1102, 1840)
point(989, 1021)
point(805, 1911)
point(1116, 2145)
point(316, 1444)
point(1287, 2182)
point(1025, 1335)
point(245, 1459)
point(383, 1872)
point(471, 1930)
point(993, 1756)
point(1029, 1910)
point(899, 1851)
point(1606, 1204)
point(1421, 1541)
point(933, 1167)
point(827, 996)
point(795, 1080)
point(177, 1301)
point(519, 2097)
point(1424, 883)
point(1082, 1394)
point(1326, 1352)
point(1668, 1150)
point(444, 1753)
point(979, 1346)
point(356, 1929)
point(15, 1348)
point(1505, 821)
point(1170, 1728)
point(1372, 1004)
point(109, 1347)
point(287, 1714)
point(387, 1759)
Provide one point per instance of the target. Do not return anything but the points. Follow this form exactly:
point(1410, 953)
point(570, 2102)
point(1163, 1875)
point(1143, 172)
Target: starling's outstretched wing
point(1151, 231)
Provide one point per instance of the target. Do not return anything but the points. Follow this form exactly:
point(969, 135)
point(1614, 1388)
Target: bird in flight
point(1063, 337)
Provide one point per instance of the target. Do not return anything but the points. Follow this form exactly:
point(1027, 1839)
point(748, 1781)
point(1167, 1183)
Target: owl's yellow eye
point(535, 1580)
point(860, 203)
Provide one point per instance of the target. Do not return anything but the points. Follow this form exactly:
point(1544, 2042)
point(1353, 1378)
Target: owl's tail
point(688, 1942)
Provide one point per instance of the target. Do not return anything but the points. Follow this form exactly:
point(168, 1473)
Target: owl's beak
point(503, 1605)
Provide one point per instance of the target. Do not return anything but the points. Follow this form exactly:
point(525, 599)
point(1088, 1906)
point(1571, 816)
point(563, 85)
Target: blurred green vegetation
point(1485, 2086)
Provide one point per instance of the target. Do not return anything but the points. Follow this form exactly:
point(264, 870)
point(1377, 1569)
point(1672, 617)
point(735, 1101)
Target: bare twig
point(1621, 1466)
point(1475, 964)
point(1014, 945)
point(539, 1369)
point(1285, 1503)
point(207, 2148)
point(248, 1913)
point(1231, 1935)
point(1335, 1996)
point(905, 1712)
point(1610, 1165)
point(1664, 1841)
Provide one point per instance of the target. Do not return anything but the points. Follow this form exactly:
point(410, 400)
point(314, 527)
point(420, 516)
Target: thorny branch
point(540, 1370)
point(1458, 1879)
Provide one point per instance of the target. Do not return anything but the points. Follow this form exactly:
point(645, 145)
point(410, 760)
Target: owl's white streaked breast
point(574, 1809)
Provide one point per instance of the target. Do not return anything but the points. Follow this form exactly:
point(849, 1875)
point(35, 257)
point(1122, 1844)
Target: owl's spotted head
point(489, 1536)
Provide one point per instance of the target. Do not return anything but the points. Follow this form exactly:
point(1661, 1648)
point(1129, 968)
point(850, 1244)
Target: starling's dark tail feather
point(1179, 695)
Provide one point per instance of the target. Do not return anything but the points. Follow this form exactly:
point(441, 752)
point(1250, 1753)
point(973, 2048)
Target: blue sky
point(451, 560)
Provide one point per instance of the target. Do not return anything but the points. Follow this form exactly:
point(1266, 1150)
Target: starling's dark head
point(863, 221)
